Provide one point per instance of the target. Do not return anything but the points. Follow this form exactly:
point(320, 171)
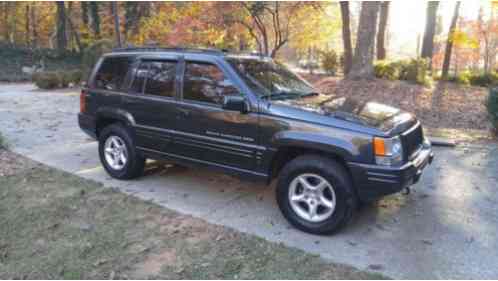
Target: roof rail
point(171, 49)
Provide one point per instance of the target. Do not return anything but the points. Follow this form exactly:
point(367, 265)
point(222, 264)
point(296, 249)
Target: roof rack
point(156, 48)
point(170, 49)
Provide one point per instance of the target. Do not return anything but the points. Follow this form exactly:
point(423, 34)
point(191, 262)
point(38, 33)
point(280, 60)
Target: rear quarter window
point(111, 74)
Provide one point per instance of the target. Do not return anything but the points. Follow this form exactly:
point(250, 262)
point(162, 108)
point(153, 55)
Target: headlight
point(388, 152)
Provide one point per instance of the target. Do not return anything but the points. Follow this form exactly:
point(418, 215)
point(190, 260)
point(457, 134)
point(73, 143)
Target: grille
point(412, 140)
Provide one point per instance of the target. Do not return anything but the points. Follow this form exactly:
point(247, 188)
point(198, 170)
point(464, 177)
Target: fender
point(106, 112)
point(349, 146)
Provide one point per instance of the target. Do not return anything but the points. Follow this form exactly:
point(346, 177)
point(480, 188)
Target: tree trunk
point(13, 30)
point(362, 67)
point(430, 30)
point(33, 26)
point(28, 26)
point(84, 12)
point(94, 12)
point(418, 45)
point(69, 30)
point(346, 37)
point(449, 42)
point(61, 26)
point(381, 35)
point(115, 12)
point(76, 35)
point(6, 32)
point(131, 18)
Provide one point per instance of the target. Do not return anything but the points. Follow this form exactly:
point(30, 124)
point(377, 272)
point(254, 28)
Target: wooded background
point(356, 32)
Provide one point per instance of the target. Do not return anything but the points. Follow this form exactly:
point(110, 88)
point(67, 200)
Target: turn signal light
point(83, 101)
point(379, 146)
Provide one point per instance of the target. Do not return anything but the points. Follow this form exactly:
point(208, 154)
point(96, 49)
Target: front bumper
point(374, 181)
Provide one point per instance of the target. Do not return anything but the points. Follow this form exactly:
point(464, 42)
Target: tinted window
point(140, 74)
point(112, 73)
point(206, 83)
point(267, 77)
point(161, 79)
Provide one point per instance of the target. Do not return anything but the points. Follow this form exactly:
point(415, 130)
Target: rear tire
point(315, 194)
point(118, 154)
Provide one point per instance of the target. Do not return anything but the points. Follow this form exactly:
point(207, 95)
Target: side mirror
point(235, 103)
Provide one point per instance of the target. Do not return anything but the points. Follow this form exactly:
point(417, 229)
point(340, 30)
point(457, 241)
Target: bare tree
point(489, 38)
point(346, 37)
point(449, 42)
point(381, 35)
point(430, 30)
point(364, 51)
point(115, 12)
point(269, 24)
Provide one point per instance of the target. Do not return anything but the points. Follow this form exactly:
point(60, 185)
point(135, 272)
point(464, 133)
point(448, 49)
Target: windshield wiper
point(280, 95)
point(310, 94)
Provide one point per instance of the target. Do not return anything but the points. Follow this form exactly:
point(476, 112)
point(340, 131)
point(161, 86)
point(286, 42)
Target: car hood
point(388, 119)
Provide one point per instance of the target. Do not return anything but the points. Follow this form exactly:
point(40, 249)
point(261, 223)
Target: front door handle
point(184, 112)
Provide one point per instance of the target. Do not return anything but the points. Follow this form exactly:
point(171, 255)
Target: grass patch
point(58, 226)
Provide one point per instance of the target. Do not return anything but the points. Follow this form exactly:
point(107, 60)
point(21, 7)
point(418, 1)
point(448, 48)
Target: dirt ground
point(59, 226)
point(446, 109)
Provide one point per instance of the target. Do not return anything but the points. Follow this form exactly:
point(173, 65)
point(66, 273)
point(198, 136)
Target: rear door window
point(137, 86)
point(112, 73)
point(161, 79)
point(156, 78)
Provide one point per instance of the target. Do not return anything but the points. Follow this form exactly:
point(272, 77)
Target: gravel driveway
point(446, 228)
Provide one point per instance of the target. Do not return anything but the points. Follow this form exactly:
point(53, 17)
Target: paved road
point(446, 228)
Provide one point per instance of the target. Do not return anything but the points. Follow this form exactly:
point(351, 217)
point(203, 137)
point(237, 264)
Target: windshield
point(270, 79)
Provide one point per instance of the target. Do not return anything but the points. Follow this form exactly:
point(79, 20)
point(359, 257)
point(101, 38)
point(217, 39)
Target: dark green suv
point(250, 116)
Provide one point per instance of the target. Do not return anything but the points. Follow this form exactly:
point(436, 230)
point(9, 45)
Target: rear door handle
point(127, 100)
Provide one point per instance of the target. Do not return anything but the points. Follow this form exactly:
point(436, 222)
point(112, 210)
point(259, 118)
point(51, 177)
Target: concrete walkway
point(446, 228)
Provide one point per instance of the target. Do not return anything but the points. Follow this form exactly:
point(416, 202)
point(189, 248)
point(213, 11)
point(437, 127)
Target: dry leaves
point(444, 105)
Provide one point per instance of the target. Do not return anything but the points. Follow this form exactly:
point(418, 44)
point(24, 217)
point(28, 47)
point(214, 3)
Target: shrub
point(56, 79)
point(484, 79)
point(386, 70)
point(480, 79)
point(330, 62)
point(75, 76)
point(462, 78)
point(47, 80)
point(492, 107)
point(93, 52)
point(414, 70)
point(64, 79)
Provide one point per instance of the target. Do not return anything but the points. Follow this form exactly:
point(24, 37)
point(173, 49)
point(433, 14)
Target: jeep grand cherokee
point(250, 116)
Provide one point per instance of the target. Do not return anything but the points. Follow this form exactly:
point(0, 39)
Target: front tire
point(118, 154)
point(315, 194)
